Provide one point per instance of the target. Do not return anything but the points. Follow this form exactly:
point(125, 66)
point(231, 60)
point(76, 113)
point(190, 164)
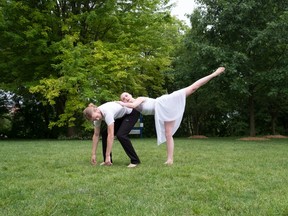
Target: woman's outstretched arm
point(133, 104)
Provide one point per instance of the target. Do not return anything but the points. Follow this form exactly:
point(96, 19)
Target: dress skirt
point(169, 107)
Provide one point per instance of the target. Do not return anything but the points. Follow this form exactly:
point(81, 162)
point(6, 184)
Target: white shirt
point(111, 111)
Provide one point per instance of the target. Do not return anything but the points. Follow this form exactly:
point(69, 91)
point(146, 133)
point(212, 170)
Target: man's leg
point(122, 133)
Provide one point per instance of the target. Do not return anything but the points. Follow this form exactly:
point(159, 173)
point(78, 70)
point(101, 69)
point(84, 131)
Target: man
point(120, 120)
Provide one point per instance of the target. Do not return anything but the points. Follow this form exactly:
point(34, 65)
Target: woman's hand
point(121, 103)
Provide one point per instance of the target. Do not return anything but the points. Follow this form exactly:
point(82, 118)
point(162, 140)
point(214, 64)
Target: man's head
point(92, 113)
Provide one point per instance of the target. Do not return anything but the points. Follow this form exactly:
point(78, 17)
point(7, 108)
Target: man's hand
point(93, 160)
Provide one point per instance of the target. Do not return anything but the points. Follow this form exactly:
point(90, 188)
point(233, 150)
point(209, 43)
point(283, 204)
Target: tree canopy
point(57, 56)
point(69, 53)
point(249, 38)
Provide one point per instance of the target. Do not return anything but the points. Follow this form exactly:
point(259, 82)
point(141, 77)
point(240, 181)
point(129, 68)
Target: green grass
point(214, 176)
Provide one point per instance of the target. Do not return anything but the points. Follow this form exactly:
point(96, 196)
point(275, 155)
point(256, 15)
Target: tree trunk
point(273, 125)
point(195, 123)
point(274, 115)
point(190, 125)
point(71, 132)
point(251, 116)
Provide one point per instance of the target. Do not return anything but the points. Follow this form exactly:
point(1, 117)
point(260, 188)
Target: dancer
point(167, 110)
point(120, 121)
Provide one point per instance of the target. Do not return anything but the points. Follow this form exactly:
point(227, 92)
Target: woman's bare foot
point(169, 162)
point(219, 71)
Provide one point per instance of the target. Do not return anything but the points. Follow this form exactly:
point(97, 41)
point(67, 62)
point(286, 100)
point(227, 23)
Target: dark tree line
point(57, 56)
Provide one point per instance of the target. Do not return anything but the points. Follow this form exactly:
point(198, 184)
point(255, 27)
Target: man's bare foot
point(132, 165)
point(108, 163)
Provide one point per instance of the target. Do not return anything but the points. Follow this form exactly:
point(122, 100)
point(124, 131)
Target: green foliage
point(24, 44)
point(249, 39)
point(65, 54)
point(5, 116)
point(5, 125)
point(71, 53)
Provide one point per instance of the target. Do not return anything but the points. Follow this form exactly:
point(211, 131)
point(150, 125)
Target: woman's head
point(126, 97)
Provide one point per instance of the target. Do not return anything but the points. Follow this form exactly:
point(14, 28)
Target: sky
point(183, 7)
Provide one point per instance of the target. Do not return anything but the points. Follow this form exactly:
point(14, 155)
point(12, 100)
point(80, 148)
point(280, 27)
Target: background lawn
point(214, 176)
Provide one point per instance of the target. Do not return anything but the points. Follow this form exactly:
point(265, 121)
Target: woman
point(167, 110)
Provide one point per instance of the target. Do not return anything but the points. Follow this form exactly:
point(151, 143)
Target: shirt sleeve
point(109, 119)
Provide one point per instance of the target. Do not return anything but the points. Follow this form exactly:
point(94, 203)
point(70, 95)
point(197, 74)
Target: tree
point(68, 53)
point(5, 119)
point(237, 34)
point(272, 46)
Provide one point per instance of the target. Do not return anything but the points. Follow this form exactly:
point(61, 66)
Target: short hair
point(88, 111)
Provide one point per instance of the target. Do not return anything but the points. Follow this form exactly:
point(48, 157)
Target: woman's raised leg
point(192, 88)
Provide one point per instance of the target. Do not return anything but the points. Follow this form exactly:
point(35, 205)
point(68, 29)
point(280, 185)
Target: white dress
point(168, 107)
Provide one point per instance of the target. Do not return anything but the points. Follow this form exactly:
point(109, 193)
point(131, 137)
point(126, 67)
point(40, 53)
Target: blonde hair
point(88, 111)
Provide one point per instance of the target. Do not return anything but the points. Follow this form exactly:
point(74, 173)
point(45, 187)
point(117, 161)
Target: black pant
point(122, 128)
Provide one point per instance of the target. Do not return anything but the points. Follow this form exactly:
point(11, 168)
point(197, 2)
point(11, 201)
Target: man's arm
point(110, 140)
point(95, 141)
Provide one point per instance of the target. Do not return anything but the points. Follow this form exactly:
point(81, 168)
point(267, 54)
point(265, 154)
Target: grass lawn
point(214, 176)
